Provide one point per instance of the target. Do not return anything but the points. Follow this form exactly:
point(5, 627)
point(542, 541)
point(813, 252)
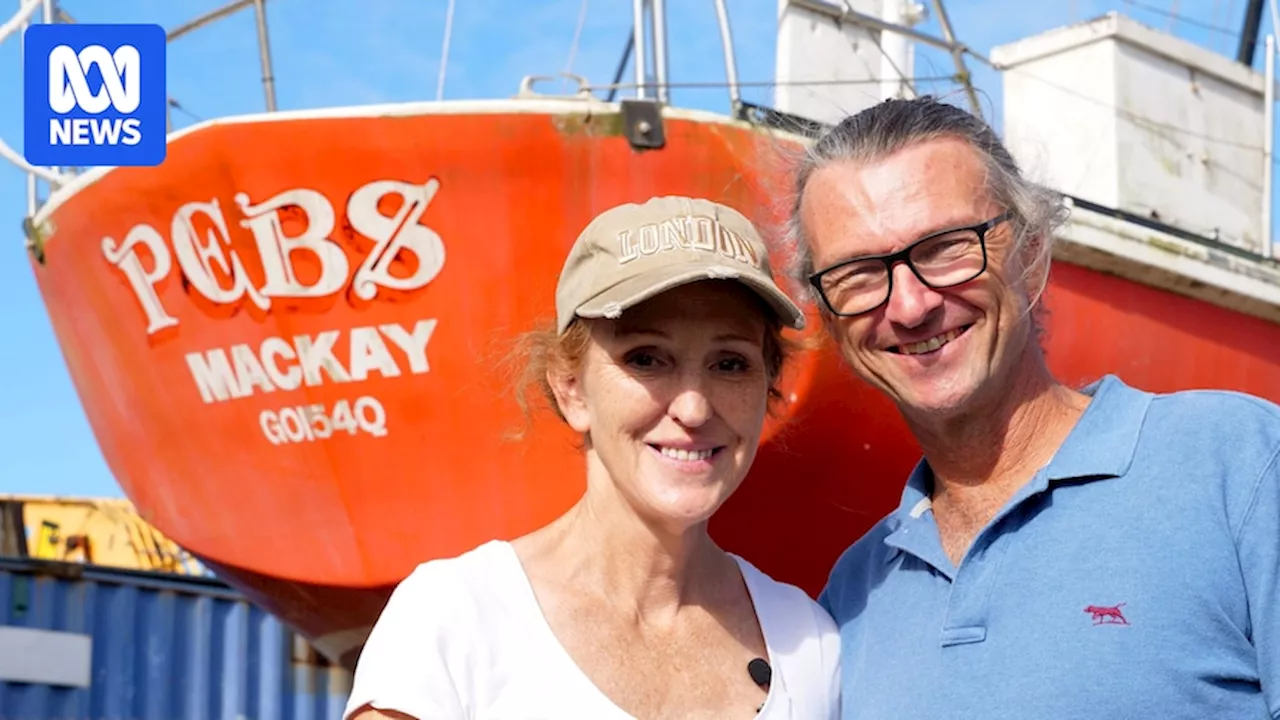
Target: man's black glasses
point(940, 260)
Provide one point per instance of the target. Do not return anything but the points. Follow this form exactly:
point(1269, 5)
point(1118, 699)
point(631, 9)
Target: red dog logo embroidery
point(1107, 615)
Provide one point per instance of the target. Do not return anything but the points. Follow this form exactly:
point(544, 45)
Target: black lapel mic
point(760, 672)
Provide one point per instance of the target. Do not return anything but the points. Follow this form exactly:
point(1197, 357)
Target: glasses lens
point(942, 261)
point(856, 288)
point(949, 259)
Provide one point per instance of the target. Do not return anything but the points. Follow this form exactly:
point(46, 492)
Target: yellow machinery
point(97, 531)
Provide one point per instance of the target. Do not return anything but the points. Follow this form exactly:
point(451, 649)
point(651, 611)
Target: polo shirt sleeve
point(845, 577)
point(1259, 548)
point(828, 596)
point(408, 663)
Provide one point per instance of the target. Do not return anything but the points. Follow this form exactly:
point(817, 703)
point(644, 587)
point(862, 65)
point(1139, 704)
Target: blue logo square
point(94, 95)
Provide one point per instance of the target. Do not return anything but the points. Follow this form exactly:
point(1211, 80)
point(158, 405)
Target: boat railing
point(18, 24)
point(49, 12)
point(651, 73)
point(585, 90)
point(653, 79)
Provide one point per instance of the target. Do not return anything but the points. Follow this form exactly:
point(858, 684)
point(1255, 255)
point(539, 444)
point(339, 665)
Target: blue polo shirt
point(1136, 576)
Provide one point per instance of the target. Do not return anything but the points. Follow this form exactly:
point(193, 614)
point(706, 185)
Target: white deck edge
point(533, 105)
point(1167, 262)
point(1089, 240)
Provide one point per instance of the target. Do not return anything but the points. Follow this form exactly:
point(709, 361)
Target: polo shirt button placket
point(972, 585)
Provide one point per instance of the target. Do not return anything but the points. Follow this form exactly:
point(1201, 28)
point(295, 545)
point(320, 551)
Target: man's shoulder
point(1242, 420)
point(1218, 402)
point(870, 547)
point(1204, 451)
point(857, 567)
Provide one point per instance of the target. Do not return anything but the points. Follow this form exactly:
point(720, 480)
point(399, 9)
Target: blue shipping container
point(89, 643)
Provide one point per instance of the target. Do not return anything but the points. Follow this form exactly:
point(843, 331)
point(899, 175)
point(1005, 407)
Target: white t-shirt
point(465, 638)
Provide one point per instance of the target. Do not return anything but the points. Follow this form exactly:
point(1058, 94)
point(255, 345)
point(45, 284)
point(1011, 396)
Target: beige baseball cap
point(633, 252)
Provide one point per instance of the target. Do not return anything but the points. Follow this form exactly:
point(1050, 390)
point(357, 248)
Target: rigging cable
point(622, 65)
point(444, 51)
point(1275, 18)
point(767, 83)
point(577, 35)
point(902, 75)
point(1174, 15)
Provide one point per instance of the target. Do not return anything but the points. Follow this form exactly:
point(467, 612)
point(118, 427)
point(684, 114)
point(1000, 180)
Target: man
point(1105, 553)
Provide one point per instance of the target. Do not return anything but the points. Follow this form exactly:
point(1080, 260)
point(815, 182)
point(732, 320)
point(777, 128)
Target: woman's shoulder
point(803, 641)
point(776, 597)
point(446, 601)
point(418, 657)
point(473, 571)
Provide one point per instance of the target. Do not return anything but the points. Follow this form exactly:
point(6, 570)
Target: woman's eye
point(732, 365)
point(641, 359)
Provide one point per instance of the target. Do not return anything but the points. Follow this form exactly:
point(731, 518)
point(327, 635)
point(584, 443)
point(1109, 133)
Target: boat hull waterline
point(292, 343)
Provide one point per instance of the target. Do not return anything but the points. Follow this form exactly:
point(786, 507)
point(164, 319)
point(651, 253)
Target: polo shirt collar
point(1101, 445)
point(1105, 439)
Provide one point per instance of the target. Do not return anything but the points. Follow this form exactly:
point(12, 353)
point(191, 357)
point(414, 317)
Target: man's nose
point(911, 301)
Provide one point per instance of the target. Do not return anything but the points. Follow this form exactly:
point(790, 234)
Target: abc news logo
point(94, 95)
point(69, 89)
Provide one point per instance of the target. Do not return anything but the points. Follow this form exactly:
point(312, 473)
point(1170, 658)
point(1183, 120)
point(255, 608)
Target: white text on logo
point(69, 89)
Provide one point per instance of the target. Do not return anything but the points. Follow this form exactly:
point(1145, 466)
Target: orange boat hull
point(290, 342)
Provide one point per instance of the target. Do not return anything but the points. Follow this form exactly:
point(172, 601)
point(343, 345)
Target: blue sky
point(348, 52)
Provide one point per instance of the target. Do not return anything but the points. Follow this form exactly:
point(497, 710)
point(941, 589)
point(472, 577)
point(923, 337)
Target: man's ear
point(568, 390)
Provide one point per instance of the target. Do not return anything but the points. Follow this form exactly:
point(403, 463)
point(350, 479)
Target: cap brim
point(614, 301)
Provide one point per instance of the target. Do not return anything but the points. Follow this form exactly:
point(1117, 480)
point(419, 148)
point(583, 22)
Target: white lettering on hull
point(143, 281)
point(309, 423)
point(215, 271)
point(288, 364)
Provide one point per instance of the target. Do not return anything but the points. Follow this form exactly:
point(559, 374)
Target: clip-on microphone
point(761, 673)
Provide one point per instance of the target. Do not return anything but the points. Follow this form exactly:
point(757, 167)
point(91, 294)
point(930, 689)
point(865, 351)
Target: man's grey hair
point(881, 130)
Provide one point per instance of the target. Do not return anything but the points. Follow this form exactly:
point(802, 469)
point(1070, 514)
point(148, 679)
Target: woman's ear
point(568, 390)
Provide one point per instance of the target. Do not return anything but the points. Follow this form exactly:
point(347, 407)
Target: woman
point(624, 606)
